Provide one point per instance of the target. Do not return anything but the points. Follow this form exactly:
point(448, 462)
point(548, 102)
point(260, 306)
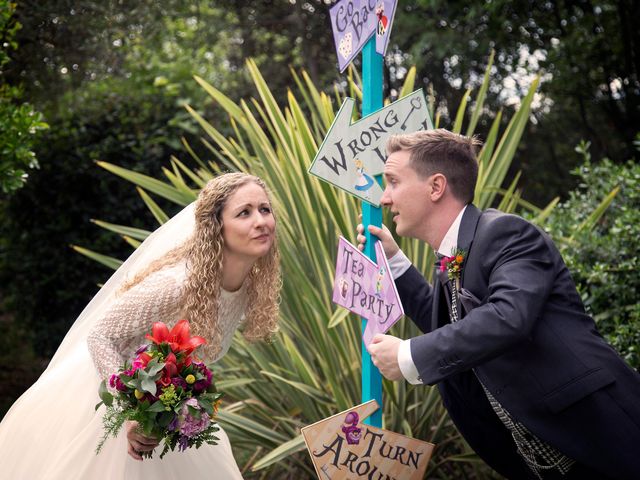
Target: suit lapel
point(467, 232)
point(441, 306)
point(439, 293)
point(437, 289)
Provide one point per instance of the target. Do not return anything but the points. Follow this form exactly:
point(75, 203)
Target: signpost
point(371, 101)
point(354, 26)
point(352, 157)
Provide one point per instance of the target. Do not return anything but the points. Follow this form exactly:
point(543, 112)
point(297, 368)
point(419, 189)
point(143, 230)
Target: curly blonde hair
point(203, 252)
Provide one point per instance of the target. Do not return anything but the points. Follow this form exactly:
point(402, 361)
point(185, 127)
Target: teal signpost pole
point(353, 22)
point(371, 101)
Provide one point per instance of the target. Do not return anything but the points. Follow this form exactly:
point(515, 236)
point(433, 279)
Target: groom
point(522, 370)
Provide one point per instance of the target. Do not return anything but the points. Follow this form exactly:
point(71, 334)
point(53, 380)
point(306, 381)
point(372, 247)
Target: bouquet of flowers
point(165, 390)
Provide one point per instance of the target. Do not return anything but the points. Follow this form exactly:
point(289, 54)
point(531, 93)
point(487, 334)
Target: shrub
point(604, 260)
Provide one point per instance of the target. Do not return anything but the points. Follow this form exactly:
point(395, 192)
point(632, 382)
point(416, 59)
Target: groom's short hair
point(441, 151)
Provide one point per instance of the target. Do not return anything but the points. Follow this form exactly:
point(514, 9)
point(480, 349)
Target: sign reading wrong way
point(352, 154)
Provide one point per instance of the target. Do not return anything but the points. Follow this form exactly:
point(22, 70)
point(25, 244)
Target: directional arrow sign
point(355, 21)
point(366, 289)
point(342, 447)
point(351, 154)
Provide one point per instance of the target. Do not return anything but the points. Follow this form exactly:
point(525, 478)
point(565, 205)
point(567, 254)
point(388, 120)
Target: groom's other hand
point(384, 354)
point(389, 245)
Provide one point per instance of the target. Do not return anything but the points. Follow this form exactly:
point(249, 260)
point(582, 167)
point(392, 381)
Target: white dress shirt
point(398, 264)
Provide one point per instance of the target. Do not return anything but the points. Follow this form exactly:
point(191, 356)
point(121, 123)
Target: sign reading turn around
point(342, 447)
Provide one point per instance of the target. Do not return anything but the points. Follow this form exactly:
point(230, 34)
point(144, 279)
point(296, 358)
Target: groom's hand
point(384, 354)
point(389, 245)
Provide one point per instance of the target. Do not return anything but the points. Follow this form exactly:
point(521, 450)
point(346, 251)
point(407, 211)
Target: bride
point(216, 264)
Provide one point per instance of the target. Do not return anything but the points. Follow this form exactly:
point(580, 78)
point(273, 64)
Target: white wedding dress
point(52, 430)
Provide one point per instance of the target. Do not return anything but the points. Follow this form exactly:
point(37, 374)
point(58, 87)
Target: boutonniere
point(453, 264)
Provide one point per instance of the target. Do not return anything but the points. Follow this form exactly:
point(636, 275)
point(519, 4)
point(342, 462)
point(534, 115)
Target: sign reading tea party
point(342, 447)
point(352, 154)
point(355, 21)
point(366, 288)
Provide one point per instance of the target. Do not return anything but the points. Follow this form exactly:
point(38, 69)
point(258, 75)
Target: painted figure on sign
point(350, 428)
point(346, 45)
point(379, 280)
point(364, 182)
point(344, 287)
point(383, 21)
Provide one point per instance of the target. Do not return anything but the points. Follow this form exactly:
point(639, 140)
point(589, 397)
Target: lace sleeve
point(121, 329)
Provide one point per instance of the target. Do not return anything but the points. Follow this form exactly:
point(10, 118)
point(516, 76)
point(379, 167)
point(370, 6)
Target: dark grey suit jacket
point(530, 342)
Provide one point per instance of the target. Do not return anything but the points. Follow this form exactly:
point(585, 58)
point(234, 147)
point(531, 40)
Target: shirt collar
point(450, 241)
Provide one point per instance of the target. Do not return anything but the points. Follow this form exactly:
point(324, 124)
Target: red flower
point(444, 263)
point(453, 264)
point(170, 367)
point(141, 361)
point(178, 338)
point(165, 381)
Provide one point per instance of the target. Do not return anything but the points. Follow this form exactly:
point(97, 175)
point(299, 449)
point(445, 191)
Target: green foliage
point(19, 125)
point(312, 371)
point(8, 29)
point(44, 282)
point(111, 78)
point(112, 422)
point(605, 258)
point(583, 50)
point(19, 122)
point(67, 44)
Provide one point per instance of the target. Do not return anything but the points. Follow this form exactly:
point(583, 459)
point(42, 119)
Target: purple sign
point(366, 289)
point(354, 21)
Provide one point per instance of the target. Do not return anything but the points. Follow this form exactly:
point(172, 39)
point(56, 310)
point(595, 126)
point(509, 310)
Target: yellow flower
point(190, 379)
point(138, 394)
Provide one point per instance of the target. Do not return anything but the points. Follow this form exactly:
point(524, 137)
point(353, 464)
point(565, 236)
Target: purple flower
point(179, 382)
point(190, 426)
point(142, 348)
point(173, 425)
point(116, 383)
point(149, 398)
point(202, 385)
point(183, 443)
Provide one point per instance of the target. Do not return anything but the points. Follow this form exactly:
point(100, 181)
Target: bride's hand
point(138, 442)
